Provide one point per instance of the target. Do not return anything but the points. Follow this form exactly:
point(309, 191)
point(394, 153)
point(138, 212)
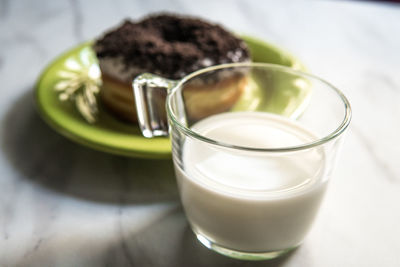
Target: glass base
point(242, 255)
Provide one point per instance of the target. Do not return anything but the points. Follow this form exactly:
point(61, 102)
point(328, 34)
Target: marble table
point(62, 204)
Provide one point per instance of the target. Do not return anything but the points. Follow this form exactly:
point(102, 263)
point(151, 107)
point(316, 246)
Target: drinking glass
point(253, 145)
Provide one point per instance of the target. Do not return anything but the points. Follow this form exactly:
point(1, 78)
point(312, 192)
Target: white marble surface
point(65, 205)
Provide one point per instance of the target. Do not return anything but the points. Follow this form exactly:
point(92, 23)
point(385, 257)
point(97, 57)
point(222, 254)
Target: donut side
point(118, 98)
point(213, 98)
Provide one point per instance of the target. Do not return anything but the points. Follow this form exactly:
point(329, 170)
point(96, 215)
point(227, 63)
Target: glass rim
point(332, 135)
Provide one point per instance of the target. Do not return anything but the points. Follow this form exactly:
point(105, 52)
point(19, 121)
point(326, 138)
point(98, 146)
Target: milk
point(250, 201)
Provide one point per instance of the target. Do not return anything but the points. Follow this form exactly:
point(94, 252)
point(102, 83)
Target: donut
point(170, 46)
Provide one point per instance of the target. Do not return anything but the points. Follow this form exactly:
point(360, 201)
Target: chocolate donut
point(167, 45)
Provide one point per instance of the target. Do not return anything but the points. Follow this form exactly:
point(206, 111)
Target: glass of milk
point(253, 145)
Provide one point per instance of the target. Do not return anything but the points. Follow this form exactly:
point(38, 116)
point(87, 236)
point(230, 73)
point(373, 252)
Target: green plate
point(109, 134)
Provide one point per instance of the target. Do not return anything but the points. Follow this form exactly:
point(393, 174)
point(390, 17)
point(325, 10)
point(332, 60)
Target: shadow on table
point(167, 241)
point(50, 160)
point(170, 242)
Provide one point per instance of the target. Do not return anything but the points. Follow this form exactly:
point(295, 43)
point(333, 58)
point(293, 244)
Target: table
point(62, 204)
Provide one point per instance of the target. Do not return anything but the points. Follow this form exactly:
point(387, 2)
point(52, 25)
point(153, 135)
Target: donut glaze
point(168, 45)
